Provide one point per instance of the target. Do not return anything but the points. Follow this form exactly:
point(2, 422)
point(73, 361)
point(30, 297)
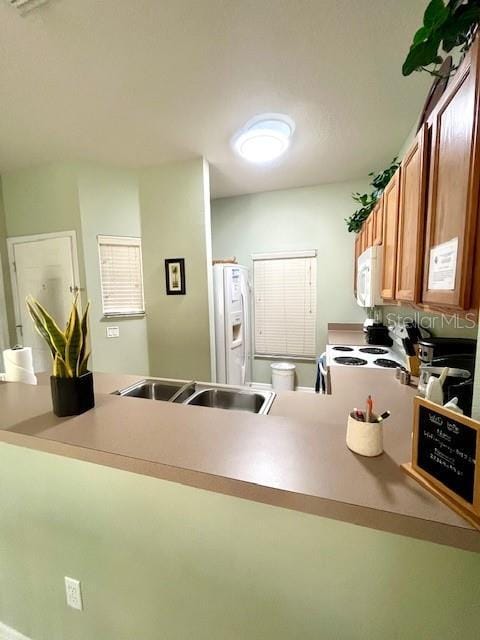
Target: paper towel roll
point(19, 365)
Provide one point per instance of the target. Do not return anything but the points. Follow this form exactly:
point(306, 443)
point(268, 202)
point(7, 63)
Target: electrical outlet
point(113, 332)
point(73, 593)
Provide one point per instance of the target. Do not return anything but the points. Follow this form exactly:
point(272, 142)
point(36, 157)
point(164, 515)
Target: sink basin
point(201, 395)
point(153, 389)
point(228, 399)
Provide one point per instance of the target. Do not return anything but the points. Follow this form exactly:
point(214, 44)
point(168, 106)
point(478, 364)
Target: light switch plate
point(113, 332)
point(73, 593)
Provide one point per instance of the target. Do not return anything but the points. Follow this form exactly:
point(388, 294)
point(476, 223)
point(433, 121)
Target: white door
point(46, 268)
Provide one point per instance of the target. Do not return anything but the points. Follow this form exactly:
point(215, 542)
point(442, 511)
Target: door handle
point(244, 328)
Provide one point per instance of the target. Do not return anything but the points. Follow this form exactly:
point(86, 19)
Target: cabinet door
point(358, 251)
point(453, 190)
point(411, 219)
point(391, 198)
point(369, 225)
point(378, 223)
point(362, 239)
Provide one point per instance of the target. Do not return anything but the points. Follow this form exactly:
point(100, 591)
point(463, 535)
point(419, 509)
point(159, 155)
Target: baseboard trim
point(261, 386)
point(7, 633)
point(264, 386)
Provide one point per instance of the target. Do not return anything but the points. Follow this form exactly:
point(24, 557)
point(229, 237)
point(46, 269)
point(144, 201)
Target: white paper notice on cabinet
point(443, 266)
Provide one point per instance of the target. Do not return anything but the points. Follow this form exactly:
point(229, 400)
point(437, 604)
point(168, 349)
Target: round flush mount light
point(264, 138)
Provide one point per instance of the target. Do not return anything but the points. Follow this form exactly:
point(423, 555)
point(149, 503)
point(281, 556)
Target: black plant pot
point(72, 396)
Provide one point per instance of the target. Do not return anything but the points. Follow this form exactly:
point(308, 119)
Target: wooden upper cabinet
point(391, 199)
point(378, 223)
point(411, 217)
point(453, 190)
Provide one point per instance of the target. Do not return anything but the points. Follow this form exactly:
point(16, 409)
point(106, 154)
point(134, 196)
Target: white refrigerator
point(232, 324)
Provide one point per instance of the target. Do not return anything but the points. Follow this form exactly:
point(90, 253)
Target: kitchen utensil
point(408, 346)
point(453, 406)
point(434, 391)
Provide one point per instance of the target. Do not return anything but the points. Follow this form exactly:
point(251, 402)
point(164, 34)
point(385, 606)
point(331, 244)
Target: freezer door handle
point(245, 338)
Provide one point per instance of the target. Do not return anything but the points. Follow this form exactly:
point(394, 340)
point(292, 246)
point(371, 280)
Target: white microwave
point(369, 276)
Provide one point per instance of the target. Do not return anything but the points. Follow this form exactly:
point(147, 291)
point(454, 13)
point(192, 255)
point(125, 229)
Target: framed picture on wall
point(175, 276)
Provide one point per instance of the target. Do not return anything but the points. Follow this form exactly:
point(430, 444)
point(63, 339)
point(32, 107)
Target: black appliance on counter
point(377, 333)
point(458, 354)
point(430, 348)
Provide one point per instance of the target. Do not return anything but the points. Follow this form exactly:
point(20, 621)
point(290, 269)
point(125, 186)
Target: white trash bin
point(283, 376)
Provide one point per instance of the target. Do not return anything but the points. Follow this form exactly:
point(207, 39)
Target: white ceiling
point(140, 82)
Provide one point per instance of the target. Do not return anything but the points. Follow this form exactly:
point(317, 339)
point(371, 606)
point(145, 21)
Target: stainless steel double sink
point(201, 394)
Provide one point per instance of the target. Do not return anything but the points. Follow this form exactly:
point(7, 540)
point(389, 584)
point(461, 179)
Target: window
point(285, 293)
point(121, 275)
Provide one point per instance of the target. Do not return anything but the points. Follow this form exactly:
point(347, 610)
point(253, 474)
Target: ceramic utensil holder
point(365, 438)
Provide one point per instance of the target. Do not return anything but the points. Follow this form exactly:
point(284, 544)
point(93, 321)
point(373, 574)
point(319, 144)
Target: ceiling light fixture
point(264, 138)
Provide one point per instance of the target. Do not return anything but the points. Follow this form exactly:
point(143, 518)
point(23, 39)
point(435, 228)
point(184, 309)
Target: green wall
point(175, 224)
point(44, 199)
point(7, 318)
point(89, 199)
point(307, 218)
point(439, 325)
point(160, 560)
point(93, 199)
point(109, 205)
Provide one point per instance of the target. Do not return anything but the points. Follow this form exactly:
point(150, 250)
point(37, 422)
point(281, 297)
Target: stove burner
point(385, 362)
point(350, 360)
point(374, 350)
point(344, 349)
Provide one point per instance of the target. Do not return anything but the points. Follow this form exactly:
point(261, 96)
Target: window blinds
point(285, 294)
point(121, 275)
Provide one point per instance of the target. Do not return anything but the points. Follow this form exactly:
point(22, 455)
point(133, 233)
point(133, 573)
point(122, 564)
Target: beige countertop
point(295, 457)
point(347, 334)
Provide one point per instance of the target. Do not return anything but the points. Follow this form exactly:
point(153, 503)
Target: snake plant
point(69, 348)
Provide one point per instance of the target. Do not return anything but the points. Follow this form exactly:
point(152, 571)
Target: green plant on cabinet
point(369, 200)
point(445, 27)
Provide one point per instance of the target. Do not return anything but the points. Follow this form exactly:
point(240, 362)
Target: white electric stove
point(365, 356)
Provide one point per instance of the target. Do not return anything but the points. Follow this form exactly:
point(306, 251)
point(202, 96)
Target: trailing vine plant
point(367, 201)
point(445, 26)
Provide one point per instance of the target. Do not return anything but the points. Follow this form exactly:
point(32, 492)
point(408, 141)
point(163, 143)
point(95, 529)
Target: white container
point(369, 267)
point(19, 365)
point(365, 438)
point(283, 376)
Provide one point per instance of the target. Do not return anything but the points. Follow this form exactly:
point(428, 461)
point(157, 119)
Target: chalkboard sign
point(446, 447)
point(446, 450)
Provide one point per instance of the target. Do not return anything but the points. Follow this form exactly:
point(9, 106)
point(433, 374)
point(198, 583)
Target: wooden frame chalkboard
point(446, 457)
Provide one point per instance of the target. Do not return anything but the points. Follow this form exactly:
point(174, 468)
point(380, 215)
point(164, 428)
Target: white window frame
point(281, 255)
point(129, 241)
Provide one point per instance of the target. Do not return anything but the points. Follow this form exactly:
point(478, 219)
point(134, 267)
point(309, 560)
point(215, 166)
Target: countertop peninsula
point(294, 458)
